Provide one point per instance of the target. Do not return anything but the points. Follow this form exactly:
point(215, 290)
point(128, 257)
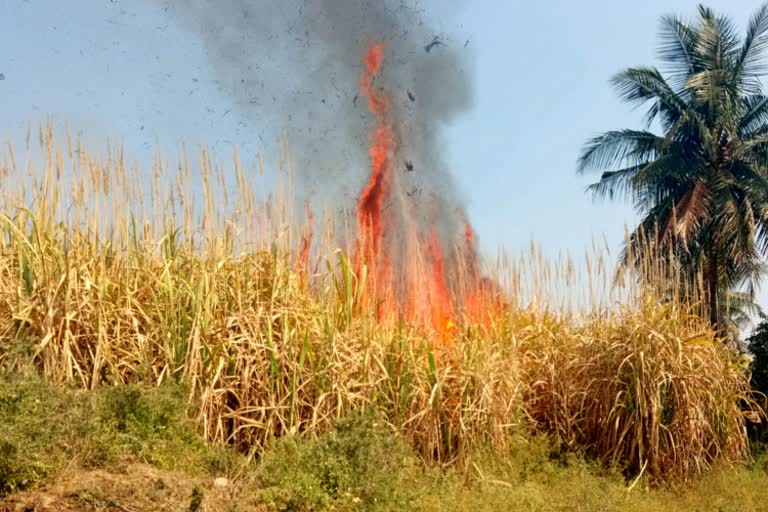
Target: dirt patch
point(127, 487)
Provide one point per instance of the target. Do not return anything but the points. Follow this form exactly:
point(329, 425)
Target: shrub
point(358, 466)
point(44, 427)
point(757, 345)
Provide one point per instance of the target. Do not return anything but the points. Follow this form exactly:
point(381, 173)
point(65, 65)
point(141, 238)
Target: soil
point(127, 487)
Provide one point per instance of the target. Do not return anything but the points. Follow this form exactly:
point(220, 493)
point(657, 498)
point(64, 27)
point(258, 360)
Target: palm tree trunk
point(714, 285)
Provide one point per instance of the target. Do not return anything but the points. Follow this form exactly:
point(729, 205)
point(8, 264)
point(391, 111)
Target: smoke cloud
point(292, 67)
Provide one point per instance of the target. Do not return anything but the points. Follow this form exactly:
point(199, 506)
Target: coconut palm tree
point(698, 170)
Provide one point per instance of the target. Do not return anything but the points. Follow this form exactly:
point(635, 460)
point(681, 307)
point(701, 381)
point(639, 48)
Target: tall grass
point(108, 279)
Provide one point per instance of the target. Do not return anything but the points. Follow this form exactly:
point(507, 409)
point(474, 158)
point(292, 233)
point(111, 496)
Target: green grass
point(357, 468)
point(47, 430)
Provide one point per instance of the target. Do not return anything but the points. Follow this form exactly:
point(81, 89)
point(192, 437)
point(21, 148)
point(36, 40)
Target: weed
point(360, 465)
point(196, 501)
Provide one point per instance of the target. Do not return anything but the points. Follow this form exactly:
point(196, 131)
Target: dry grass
point(649, 389)
point(121, 283)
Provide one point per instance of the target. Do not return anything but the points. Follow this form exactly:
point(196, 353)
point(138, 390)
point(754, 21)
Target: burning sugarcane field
point(315, 255)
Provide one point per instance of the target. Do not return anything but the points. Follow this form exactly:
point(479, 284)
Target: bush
point(149, 423)
point(358, 466)
point(44, 427)
point(14, 474)
point(758, 348)
point(39, 427)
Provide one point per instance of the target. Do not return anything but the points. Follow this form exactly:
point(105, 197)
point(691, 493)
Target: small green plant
point(13, 474)
point(33, 419)
point(358, 466)
point(151, 423)
point(197, 500)
point(45, 427)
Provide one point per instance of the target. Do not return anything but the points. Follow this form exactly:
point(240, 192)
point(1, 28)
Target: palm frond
point(711, 88)
point(752, 62)
point(639, 85)
point(748, 149)
point(677, 50)
point(615, 184)
point(690, 133)
point(717, 43)
point(755, 113)
point(667, 176)
point(620, 147)
point(689, 214)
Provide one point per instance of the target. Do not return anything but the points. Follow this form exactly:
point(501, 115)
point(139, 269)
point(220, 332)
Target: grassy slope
point(133, 448)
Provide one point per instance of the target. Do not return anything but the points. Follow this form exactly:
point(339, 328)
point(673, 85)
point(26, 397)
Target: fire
point(440, 298)
point(484, 303)
point(483, 296)
point(370, 218)
point(406, 266)
point(302, 258)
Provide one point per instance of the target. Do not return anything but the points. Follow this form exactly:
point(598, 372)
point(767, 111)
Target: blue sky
point(120, 70)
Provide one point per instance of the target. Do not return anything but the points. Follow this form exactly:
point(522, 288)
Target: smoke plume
point(293, 67)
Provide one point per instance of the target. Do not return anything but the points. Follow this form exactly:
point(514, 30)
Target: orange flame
point(388, 236)
point(440, 297)
point(370, 206)
point(483, 300)
point(302, 258)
